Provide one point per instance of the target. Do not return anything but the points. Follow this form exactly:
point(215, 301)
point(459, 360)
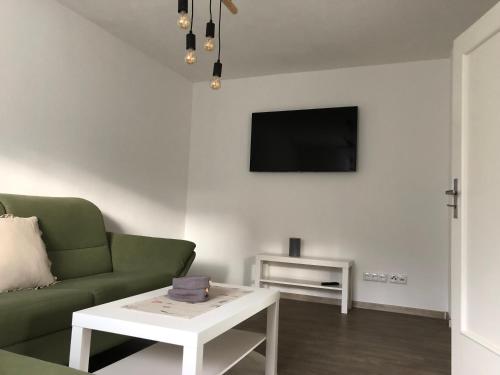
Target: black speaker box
point(294, 249)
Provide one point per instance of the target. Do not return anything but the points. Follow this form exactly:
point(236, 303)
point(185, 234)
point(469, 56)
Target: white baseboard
point(370, 306)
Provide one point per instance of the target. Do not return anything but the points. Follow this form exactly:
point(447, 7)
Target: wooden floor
point(315, 339)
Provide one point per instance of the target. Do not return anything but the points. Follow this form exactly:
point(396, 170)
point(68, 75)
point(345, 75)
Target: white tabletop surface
point(113, 317)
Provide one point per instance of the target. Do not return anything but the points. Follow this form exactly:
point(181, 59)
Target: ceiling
point(282, 36)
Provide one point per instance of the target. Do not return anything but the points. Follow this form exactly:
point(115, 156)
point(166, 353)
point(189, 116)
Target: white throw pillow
point(23, 259)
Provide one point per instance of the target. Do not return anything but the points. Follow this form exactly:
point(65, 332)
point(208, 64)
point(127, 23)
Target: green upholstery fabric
point(156, 254)
point(37, 322)
point(73, 232)
point(55, 347)
point(32, 313)
point(15, 364)
point(111, 286)
point(52, 348)
point(80, 262)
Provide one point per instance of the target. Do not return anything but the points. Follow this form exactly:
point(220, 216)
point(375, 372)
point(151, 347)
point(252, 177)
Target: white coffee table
point(205, 344)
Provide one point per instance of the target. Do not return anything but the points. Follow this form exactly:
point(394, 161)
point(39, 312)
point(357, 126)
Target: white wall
point(83, 114)
point(389, 216)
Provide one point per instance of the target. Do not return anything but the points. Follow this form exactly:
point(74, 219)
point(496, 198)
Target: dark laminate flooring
point(316, 339)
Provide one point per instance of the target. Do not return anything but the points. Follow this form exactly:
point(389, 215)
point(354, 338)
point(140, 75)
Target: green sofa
point(15, 364)
point(92, 267)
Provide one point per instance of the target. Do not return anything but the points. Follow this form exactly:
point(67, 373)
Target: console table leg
point(345, 290)
point(192, 359)
point(350, 288)
point(272, 339)
point(80, 348)
point(258, 273)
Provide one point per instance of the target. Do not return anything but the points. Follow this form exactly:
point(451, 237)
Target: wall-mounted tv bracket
point(454, 194)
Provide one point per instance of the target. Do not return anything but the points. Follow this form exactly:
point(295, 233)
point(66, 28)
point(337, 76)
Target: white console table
point(344, 266)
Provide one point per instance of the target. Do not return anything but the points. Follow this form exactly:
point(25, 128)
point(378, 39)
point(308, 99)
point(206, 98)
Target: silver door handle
point(454, 193)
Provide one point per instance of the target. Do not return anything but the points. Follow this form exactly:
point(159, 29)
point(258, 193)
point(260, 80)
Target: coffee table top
point(114, 318)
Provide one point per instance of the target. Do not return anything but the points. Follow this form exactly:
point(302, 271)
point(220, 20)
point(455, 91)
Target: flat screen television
point(311, 140)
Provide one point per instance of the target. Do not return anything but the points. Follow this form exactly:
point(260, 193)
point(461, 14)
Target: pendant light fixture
point(215, 83)
point(190, 57)
point(186, 22)
point(209, 44)
point(183, 20)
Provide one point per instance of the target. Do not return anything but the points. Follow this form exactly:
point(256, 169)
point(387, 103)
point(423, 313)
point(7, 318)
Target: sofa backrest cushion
point(72, 229)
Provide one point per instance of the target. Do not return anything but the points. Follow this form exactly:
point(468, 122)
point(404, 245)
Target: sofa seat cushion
point(15, 364)
point(107, 287)
point(29, 314)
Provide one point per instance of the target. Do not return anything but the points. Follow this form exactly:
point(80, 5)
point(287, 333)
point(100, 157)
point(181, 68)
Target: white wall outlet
point(398, 278)
point(372, 276)
point(382, 277)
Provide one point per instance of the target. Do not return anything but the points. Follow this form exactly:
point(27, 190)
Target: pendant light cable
point(218, 35)
point(210, 10)
point(192, 15)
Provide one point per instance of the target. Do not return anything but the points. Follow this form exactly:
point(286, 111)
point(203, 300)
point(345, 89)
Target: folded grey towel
point(191, 282)
point(192, 295)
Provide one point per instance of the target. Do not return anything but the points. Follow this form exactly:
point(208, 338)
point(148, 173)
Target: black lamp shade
point(210, 30)
point(217, 69)
point(191, 41)
point(182, 6)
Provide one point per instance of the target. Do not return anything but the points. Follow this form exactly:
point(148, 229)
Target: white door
point(475, 257)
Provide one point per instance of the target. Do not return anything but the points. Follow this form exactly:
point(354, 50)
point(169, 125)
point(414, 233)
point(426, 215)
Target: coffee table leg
point(272, 339)
point(192, 359)
point(80, 348)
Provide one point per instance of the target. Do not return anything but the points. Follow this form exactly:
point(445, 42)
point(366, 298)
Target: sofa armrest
point(131, 253)
point(15, 364)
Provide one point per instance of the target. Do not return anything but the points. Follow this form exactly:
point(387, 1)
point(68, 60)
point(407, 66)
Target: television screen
point(311, 140)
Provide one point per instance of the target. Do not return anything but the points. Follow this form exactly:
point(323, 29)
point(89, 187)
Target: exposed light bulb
point(209, 44)
point(190, 57)
point(183, 21)
point(215, 83)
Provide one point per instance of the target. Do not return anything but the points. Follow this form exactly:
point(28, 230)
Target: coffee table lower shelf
point(220, 355)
